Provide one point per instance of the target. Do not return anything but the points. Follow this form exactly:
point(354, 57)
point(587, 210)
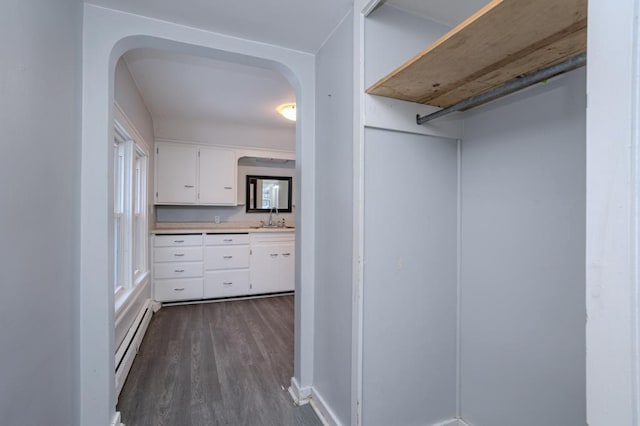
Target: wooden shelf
point(503, 40)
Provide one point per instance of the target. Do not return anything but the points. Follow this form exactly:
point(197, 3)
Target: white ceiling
point(448, 12)
point(178, 86)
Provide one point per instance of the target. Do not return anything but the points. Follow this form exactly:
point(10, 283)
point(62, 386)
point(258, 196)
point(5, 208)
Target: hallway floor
point(226, 363)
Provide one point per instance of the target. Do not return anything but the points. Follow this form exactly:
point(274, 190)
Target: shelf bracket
point(514, 85)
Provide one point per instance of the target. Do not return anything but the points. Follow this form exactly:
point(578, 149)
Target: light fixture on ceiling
point(288, 111)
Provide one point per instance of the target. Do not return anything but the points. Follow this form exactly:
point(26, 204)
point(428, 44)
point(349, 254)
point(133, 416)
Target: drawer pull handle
point(188, 186)
point(178, 289)
point(178, 241)
point(178, 270)
point(274, 254)
point(228, 187)
point(227, 257)
point(178, 254)
point(228, 240)
point(231, 283)
point(286, 254)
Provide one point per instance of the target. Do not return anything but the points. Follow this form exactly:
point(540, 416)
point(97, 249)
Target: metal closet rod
point(509, 87)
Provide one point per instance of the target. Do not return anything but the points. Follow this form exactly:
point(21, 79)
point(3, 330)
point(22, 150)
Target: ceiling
point(178, 86)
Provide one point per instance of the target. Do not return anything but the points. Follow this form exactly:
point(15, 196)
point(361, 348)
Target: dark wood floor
point(226, 363)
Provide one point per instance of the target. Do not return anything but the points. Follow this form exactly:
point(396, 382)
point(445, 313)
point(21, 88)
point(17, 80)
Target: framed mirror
point(268, 192)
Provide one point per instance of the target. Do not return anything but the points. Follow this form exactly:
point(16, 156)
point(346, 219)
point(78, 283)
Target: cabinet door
point(287, 267)
point(264, 271)
point(176, 167)
point(217, 176)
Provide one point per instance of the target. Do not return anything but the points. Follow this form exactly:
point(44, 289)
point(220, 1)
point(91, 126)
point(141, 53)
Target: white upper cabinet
point(218, 176)
point(176, 174)
point(191, 174)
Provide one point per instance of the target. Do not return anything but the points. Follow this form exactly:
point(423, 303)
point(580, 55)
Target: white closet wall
point(508, 345)
point(410, 250)
point(409, 349)
point(522, 264)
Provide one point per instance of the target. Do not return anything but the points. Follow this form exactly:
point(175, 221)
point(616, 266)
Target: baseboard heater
point(128, 349)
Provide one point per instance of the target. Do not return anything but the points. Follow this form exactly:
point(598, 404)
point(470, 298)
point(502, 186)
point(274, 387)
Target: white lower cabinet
point(226, 283)
point(272, 263)
point(178, 289)
point(226, 264)
point(209, 266)
point(177, 267)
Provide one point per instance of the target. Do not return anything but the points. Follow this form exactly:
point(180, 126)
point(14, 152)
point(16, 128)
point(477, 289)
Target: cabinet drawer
point(226, 283)
point(225, 239)
point(170, 290)
point(177, 270)
point(177, 240)
point(173, 254)
point(273, 238)
point(231, 257)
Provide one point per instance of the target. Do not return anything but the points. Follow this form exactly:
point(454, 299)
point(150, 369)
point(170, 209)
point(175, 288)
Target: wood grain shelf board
point(504, 39)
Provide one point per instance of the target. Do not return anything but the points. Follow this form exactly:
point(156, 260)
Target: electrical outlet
point(216, 219)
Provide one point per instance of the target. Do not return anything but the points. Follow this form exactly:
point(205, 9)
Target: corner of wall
point(324, 412)
point(300, 395)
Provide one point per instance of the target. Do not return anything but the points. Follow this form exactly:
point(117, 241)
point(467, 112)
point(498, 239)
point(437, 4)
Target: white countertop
point(215, 228)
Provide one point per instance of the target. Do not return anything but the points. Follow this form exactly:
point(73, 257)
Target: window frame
point(130, 213)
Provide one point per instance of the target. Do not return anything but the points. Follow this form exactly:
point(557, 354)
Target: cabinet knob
point(228, 187)
point(178, 270)
point(178, 241)
point(227, 257)
point(286, 254)
point(189, 186)
point(274, 254)
point(178, 289)
point(178, 254)
point(231, 283)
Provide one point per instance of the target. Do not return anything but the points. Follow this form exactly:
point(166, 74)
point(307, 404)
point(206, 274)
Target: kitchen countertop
point(215, 228)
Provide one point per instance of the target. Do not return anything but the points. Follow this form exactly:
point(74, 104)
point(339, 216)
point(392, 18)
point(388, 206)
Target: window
point(129, 211)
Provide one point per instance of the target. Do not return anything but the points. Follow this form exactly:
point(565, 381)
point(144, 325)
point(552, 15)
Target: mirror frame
point(289, 179)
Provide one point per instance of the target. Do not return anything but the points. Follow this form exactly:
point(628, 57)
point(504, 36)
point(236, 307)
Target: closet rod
point(512, 86)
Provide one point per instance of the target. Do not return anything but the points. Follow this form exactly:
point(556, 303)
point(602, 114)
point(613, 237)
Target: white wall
point(522, 265)
point(392, 37)
point(231, 134)
point(613, 207)
point(410, 279)
point(410, 248)
point(334, 224)
point(138, 123)
point(128, 97)
point(39, 183)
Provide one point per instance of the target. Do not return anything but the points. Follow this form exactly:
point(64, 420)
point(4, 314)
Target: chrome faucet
point(271, 216)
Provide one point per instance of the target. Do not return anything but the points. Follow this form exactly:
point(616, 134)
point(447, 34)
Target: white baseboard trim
point(117, 420)
point(154, 306)
point(300, 395)
point(128, 350)
point(322, 409)
point(452, 422)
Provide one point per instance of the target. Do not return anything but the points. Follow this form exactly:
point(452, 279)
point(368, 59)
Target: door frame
point(107, 34)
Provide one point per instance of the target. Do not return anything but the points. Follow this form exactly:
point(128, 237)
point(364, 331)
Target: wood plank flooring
point(226, 363)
